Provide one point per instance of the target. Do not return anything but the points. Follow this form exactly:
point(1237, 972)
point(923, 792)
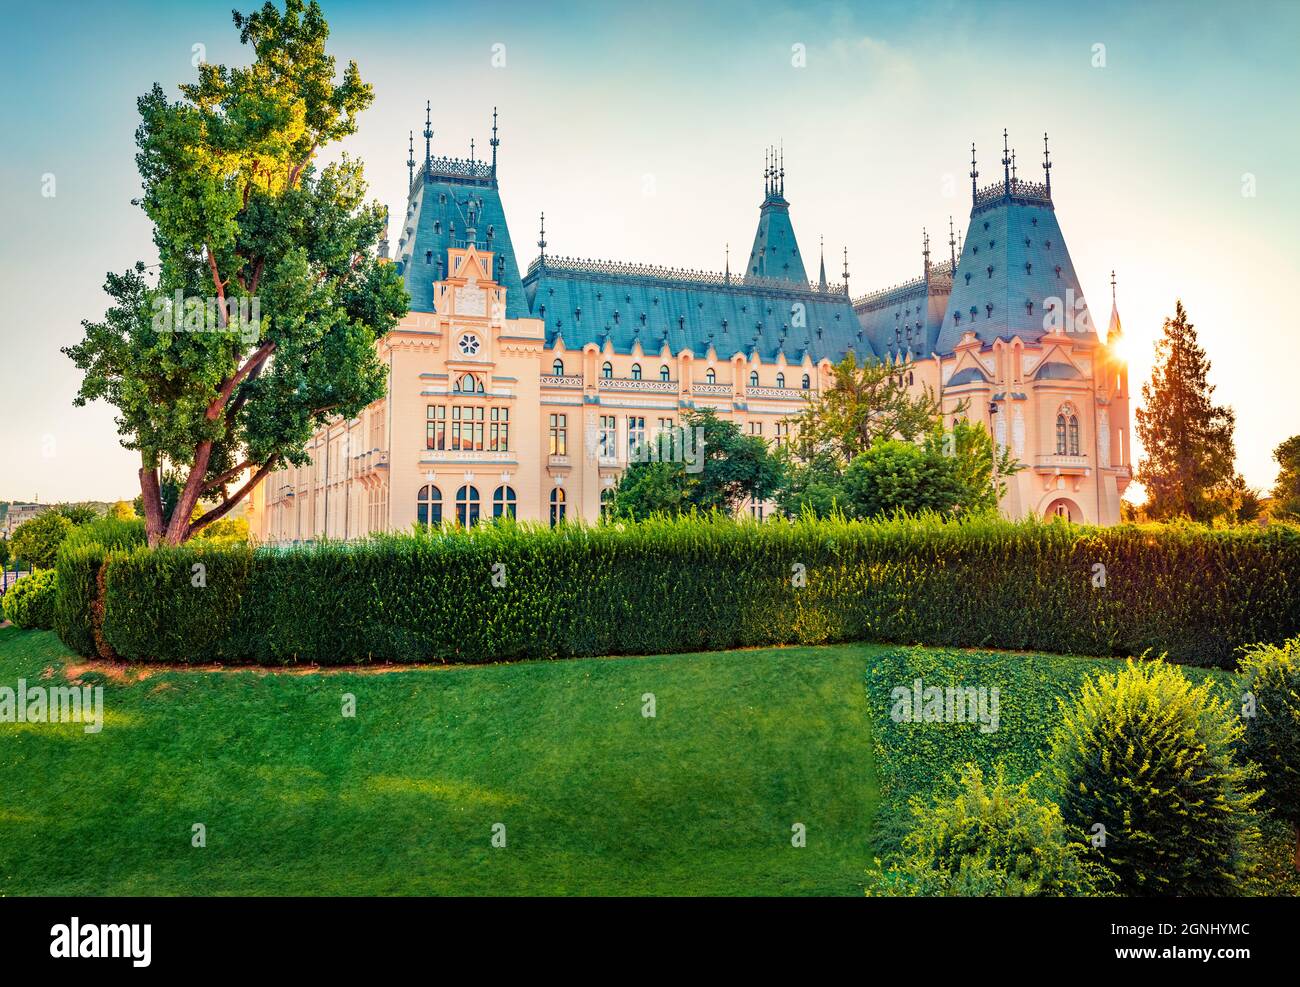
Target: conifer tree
point(1186, 438)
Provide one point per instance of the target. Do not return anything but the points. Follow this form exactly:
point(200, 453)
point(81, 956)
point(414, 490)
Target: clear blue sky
point(640, 131)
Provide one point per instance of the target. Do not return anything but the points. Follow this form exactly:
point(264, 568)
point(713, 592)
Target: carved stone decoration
point(1103, 439)
point(1018, 434)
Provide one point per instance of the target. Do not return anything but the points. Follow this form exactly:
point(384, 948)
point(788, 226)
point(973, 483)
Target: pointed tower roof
point(1114, 331)
point(452, 202)
point(821, 281)
point(776, 251)
point(1014, 276)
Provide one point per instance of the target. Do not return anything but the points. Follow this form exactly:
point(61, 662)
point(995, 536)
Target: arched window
point(711, 376)
point(1074, 435)
point(663, 372)
point(557, 506)
point(503, 502)
point(807, 382)
point(1060, 434)
point(636, 371)
point(607, 503)
point(909, 377)
point(1067, 431)
point(753, 378)
point(428, 506)
point(607, 371)
point(467, 506)
point(780, 380)
point(557, 368)
point(468, 384)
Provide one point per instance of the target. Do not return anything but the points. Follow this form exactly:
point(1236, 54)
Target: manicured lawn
point(402, 798)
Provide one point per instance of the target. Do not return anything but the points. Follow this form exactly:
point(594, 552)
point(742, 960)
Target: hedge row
point(693, 585)
point(81, 556)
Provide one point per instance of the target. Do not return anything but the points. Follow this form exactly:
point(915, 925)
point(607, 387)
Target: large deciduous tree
point(1286, 491)
point(1188, 465)
point(262, 319)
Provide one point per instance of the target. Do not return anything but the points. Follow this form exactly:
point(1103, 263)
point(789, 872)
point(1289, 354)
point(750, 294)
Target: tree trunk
point(178, 528)
point(151, 496)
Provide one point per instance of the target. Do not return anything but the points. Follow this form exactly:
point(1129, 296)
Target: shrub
point(77, 611)
point(991, 838)
point(29, 603)
point(692, 584)
point(4, 551)
point(36, 542)
point(1152, 758)
point(1272, 739)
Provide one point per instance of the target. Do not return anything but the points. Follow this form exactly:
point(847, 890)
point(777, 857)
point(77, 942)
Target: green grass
point(401, 799)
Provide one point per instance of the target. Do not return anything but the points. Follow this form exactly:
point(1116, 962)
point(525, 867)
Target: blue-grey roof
point(1056, 370)
point(1014, 270)
point(970, 375)
point(905, 319)
point(449, 198)
point(585, 301)
point(775, 253)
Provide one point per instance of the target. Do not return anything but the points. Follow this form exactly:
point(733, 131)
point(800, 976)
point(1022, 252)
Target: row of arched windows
point(428, 505)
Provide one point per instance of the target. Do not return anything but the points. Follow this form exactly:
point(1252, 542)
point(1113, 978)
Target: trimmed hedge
point(76, 611)
point(691, 584)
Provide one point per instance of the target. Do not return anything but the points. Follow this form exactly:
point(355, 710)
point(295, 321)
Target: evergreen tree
point(1187, 439)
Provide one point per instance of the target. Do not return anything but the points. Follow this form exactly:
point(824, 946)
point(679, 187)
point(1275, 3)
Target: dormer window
point(780, 380)
point(753, 378)
point(663, 372)
point(711, 377)
point(807, 382)
point(636, 371)
point(607, 370)
point(557, 368)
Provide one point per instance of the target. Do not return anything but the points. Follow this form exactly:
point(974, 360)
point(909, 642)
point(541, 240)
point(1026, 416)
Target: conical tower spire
point(727, 262)
point(822, 280)
point(775, 254)
point(1115, 330)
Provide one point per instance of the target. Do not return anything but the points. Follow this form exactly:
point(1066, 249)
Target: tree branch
point(224, 508)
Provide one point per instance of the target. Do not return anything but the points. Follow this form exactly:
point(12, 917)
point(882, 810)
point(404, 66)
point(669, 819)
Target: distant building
point(19, 512)
point(524, 394)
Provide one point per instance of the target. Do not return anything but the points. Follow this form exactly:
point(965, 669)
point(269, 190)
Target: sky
point(640, 130)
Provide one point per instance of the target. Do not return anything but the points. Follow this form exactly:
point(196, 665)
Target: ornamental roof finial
point(974, 174)
point(541, 239)
point(1013, 164)
point(925, 249)
point(1006, 161)
point(1112, 287)
point(727, 266)
point(767, 172)
point(846, 266)
point(952, 247)
point(1047, 165)
point(782, 190)
point(494, 142)
point(410, 158)
point(428, 133)
point(471, 150)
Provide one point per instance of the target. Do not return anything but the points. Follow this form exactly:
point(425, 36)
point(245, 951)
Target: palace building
point(524, 394)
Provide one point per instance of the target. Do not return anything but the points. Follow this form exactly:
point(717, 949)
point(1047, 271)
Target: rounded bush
point(29, 603)
point(1152, 760)
point(36, 542)
point(986, 837)
point(1271, 683)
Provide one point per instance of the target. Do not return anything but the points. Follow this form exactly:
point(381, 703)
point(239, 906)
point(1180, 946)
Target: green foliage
point(691, 584)
point(4, 551)
point(1271, 675)
point(77, 610)
point(277, 252)
point(1286, 492)
point(988, 837)
point(735, 468)
point(900, 476)
point(863, 403)
point(1152, 758)
point(1187, 440)
point(227, 529)
point(36, 542)
point(78, 514)
point(29, 603)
